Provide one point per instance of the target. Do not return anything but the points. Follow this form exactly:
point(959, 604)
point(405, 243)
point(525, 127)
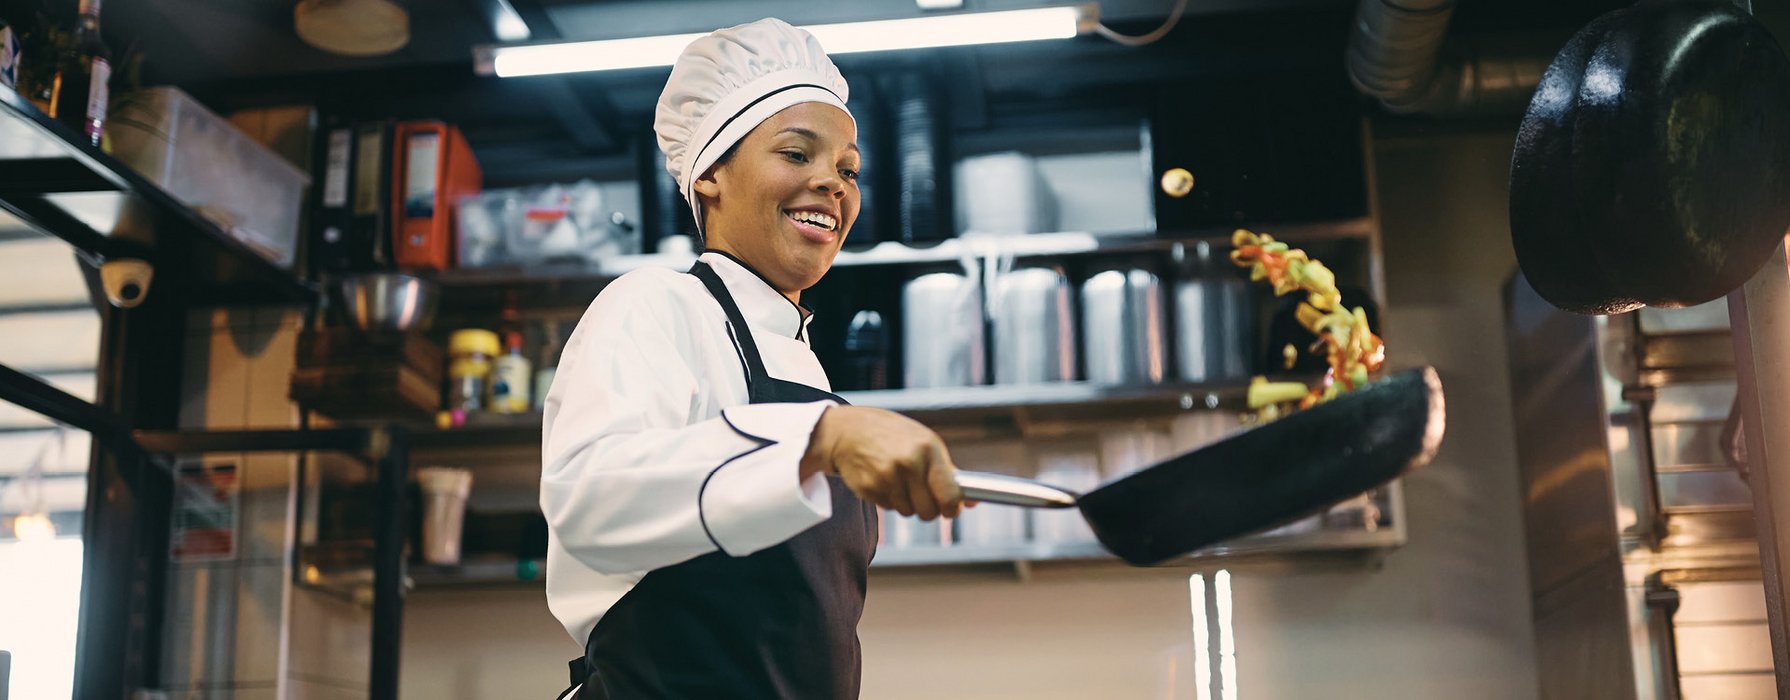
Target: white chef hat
point(727, 83)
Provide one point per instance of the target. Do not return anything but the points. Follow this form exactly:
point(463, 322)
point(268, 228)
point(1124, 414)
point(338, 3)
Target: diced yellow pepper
point(1263, 392)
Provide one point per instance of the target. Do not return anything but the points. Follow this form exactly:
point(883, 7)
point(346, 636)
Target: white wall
point(1447, 616)
point(474, 644)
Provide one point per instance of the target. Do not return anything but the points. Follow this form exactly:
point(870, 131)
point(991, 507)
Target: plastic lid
point(512, 340)
point(470, 340)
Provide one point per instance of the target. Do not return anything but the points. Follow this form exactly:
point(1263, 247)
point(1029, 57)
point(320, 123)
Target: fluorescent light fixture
point(960, 29)
point(506, 23)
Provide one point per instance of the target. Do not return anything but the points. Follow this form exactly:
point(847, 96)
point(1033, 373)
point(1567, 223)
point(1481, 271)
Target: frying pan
point(1258, 479)
point(1650, 166)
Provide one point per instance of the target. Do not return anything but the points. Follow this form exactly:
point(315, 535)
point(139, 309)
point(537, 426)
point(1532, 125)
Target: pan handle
point(1013, 491)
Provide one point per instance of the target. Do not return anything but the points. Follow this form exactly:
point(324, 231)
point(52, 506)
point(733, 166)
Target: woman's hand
point(886, 459)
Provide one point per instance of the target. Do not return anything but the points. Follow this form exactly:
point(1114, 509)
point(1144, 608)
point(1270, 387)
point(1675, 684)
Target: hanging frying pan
point(1254, 480)
point(1652, 163)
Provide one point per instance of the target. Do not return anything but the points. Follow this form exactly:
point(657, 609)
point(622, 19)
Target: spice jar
point(472, 351)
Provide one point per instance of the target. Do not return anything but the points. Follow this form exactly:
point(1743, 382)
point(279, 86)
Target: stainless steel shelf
point(1285, 549)
point(53, 180)
point(1012, 406)
point(1290, 545)
point(1171, 396)
point(592, 276)
point(1077, 243)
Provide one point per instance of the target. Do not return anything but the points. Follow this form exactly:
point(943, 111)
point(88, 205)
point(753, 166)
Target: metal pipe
point(1394, 45)
point(1398, 53)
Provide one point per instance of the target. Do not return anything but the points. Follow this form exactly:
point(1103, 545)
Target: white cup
point(444, 510)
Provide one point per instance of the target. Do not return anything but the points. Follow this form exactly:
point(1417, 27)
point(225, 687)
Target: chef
point(711, 506)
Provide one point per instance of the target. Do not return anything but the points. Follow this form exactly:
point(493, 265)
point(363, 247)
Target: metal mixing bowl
point(389, 301)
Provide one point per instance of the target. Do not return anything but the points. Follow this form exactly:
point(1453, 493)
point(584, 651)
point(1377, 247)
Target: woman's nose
point(830, 184)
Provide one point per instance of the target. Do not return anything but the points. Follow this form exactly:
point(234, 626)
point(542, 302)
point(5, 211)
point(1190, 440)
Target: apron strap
point(580, 674)
point(756, 378)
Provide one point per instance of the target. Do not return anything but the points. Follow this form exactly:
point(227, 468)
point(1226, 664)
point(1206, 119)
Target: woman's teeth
point(814, 218)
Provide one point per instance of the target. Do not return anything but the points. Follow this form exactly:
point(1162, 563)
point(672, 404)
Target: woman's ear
point(706, 185)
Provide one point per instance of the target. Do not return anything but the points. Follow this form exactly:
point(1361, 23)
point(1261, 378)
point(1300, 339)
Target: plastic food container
point(578, 222)
point(208, 164)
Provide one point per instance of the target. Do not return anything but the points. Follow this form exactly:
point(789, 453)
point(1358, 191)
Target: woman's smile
point(784, 200)
point(815, 224)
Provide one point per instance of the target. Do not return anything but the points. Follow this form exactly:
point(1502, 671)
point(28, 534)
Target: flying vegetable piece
point(1349, 346)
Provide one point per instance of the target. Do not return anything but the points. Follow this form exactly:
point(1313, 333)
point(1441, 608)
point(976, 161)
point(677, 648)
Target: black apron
point(778, 623)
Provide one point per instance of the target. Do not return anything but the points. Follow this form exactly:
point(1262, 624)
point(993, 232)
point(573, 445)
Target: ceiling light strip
point(960, 29)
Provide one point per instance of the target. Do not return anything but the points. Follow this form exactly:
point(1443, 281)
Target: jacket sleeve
point(630, 484)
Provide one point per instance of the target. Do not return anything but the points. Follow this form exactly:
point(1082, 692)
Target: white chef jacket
point(651, 453)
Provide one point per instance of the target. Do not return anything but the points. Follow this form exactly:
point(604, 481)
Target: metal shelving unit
point(1018, 556)
point(991, 407)
point(944, 409)
point(383, 451)
point(53, 180)
point(545, 284)
point(1258, 547)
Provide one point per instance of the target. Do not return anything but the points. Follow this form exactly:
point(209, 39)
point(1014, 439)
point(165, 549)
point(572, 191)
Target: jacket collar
point(763, 306)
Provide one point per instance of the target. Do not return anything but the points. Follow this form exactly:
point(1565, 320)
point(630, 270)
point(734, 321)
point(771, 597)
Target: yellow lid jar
point(471, 352)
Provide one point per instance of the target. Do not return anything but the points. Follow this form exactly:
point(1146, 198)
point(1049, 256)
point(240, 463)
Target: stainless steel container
point(1124, 326)
point(389, 301)
point(942, 340)
point(1034, 327)
point(1213, 319)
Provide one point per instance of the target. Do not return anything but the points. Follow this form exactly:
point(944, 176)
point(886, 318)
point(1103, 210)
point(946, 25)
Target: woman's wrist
point(818, 459)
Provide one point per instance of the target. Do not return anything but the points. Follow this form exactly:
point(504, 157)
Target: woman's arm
point(628, 483)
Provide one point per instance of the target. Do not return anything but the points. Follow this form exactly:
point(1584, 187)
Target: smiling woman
point(784, 201)
point(710, 529)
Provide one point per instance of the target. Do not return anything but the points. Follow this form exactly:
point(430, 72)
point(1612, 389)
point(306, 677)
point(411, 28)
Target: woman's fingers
point(941, 481)
point(892, 461)
point(896, 493)
point(914, 473)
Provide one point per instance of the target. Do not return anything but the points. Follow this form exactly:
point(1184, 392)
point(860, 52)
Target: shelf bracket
point(41, 214)
point(37, 396)
point(39, 176)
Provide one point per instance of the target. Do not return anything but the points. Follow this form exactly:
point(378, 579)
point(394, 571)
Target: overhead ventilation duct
point(1399, 53)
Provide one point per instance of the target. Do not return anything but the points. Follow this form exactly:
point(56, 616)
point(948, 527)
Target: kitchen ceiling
point(238, 53)
point(191, 41)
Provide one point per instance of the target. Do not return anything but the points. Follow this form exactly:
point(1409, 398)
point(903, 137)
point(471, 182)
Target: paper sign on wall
point(207, 505)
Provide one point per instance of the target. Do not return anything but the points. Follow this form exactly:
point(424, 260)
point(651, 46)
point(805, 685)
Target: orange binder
point(433, 168)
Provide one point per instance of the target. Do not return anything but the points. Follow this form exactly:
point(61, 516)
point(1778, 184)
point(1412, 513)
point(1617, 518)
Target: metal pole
point(390, 453)
point(125, 526)
point(1760, 315)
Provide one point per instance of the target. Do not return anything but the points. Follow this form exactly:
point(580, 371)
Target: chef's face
point(785, 199)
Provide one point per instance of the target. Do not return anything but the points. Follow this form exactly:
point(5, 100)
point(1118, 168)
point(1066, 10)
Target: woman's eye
point(848, 173)
point(796, 156)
